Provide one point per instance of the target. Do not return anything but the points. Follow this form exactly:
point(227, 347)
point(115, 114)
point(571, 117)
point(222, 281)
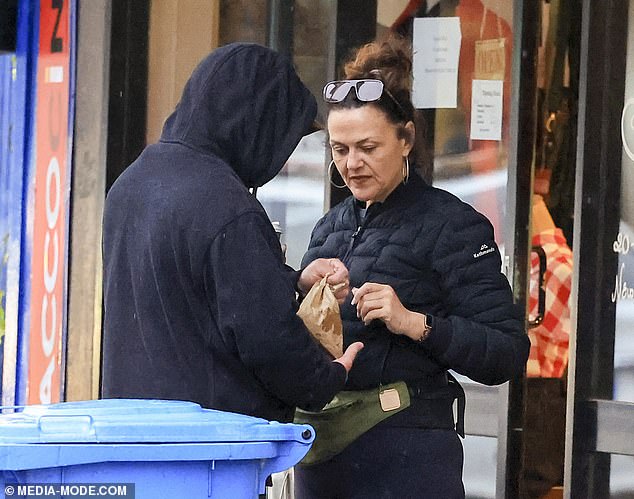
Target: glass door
point(600, 443)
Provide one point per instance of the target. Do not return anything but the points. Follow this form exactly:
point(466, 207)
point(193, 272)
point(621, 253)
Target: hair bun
point(389, 60)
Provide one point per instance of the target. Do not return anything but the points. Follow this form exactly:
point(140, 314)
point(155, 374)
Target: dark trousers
point(389, 462)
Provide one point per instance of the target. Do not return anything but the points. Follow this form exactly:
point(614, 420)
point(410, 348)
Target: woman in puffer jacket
point(427, 291)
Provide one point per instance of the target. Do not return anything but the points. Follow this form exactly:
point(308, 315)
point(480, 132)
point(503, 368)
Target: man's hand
point(336, 271)
point(347, 359)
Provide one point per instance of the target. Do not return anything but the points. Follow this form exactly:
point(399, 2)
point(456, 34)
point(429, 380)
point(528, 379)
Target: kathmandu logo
point(484, 250)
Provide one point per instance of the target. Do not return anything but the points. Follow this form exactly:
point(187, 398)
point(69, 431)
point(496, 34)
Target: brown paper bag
point(320, 313)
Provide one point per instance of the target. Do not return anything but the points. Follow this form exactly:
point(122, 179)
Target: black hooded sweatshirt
point(199, 305)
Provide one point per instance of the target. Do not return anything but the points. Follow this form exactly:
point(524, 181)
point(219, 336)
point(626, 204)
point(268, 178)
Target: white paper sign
point(486, 109)
point(436, 44)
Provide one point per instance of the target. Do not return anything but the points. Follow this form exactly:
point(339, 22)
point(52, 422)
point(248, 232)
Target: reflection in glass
point(623, 295)
point(474, 169)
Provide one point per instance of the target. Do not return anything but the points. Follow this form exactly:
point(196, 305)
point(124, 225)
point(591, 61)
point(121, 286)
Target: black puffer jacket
point(440, 257)
point(198, 303)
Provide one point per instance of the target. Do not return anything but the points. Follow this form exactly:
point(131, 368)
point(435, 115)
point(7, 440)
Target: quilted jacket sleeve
point(483, 335)
point(255, 310)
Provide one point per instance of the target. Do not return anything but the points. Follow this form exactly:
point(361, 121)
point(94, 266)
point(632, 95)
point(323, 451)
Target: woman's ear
point(409, 136)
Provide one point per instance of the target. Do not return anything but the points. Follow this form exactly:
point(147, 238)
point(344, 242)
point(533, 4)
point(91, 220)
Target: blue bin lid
point(140, 421)
point(131, 430)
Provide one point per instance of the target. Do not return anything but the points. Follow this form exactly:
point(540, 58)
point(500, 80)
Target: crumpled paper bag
point(320, 312)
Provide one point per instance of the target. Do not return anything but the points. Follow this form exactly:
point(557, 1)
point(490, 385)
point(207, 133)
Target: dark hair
point(389, 59)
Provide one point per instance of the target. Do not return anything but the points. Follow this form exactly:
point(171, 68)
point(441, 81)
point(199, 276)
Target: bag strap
point(459, 394)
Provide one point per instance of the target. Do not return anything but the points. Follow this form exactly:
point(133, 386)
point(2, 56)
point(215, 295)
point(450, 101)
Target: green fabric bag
point(348, 416)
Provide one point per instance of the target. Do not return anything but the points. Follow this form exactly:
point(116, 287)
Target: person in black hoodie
point(198, 304)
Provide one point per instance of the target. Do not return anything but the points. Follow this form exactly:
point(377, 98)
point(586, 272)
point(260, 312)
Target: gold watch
point(428, 325)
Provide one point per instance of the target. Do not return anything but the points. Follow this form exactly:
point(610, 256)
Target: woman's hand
point(379, 301)
point(336, 271)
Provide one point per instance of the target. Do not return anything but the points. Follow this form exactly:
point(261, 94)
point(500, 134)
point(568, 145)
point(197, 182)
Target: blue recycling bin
point(166, 449)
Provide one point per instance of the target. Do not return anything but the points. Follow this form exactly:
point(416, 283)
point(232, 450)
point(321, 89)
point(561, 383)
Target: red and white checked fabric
point(549, 341)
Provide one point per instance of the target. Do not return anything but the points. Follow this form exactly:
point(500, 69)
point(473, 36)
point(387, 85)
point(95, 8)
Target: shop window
point(296, 198)
point(623, 293)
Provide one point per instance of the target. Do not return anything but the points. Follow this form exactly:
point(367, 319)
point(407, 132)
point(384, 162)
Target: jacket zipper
point(355, 235)
point(351, 244)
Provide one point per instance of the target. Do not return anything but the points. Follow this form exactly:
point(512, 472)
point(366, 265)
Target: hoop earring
point(405, 170)
point(330, 165)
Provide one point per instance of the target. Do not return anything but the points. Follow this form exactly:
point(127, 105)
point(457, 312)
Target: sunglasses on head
point(366, 90)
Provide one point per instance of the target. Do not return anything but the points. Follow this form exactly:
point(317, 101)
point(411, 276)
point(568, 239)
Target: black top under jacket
point(440, 257)
point(199, 305)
